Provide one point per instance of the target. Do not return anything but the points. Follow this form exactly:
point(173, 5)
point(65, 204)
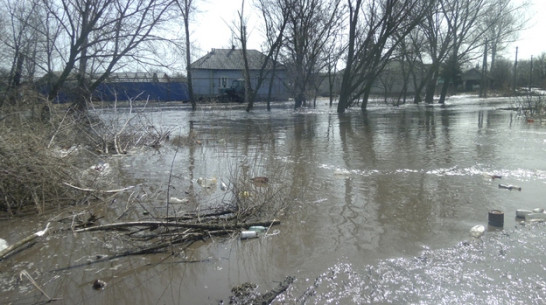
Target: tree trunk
point(443, 93)
point(365, 97)
point(431, 89)
point(188, 59)
point(271, 82)
point(345, 92)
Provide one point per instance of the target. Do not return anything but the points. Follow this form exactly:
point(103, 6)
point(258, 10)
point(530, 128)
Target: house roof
point(231, 59)
point(472, 74)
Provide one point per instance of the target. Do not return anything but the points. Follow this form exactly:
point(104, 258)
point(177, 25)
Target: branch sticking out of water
point(212, 227)
point(25, 241)
point(33, 282)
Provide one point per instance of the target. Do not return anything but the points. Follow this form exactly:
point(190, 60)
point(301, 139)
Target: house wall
point(207, 83)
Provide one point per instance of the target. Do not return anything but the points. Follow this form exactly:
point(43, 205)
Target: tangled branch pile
point(31, 172)
point(531, 105)
point(44, 146)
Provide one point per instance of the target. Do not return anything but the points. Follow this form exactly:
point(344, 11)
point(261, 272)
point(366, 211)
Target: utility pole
point(515, 76)
point(531, 74)
point(483, 85)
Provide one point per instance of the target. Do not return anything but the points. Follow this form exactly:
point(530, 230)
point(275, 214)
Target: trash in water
point(509, 187)
point(521, 213)
point(477, 231)
point(99, 284)
point(496, 218)
point(223, 186)
point(248, 234)
point(3, 244)
point(260, 181)
point(207, 182)
point(244, 194)
point(535, 217)
point(178, 200)
point(257, 229)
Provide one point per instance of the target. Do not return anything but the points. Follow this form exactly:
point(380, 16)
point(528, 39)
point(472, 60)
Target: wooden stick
point(33, 282)
point(98, 191)
point(177, 225)
point(9, 250)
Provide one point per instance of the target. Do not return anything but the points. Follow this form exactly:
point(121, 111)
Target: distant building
point(472, 79)
point(220, 67)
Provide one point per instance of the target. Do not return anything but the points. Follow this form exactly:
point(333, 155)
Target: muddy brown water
point(379, 210)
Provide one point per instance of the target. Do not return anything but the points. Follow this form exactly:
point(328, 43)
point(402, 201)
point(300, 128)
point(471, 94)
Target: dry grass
point(31, 172)
point(45, 146)
point(531, 106)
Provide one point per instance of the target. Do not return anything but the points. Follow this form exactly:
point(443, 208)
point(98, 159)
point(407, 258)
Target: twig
point(98, 191)
point(6, 252)
point(33, 282)
point(170, 178)
point(193, 215)
point(57, 130)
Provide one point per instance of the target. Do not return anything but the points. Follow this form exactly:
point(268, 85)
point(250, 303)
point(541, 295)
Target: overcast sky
point(212, 28)
point(532, 41)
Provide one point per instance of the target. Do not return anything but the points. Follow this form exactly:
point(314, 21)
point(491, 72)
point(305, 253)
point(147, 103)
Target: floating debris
point(535, 217)
point(207, 182)
point(3, 244)
point(178, 200)
point(510, 187)
point(521, 213)
point(496, 218)
point(99, 284)
point(248, 234)
point(477, 231)
point(260, 181)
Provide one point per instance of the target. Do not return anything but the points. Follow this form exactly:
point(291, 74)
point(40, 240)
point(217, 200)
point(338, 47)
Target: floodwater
point(377, 210)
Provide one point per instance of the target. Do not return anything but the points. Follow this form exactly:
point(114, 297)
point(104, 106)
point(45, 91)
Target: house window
point(223, 82)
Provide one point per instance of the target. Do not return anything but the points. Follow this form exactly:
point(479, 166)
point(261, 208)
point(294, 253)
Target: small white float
point(477, 231)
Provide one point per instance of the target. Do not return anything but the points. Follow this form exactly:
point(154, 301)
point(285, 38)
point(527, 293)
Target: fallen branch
point(510, 187)
point(190, 216)
point(25, 241)
point(189, 238)
point(200, 226)
point(98, 191)
point(33, 282)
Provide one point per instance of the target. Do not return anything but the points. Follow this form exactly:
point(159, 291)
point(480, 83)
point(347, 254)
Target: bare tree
point(240, 35)
point(20, 40)
point(275, 15)
point(104, 32)
point(437, 41)
point(312, 23)
point(503, 21)
point(187, 7)
point(462, 19)
point(376, 27)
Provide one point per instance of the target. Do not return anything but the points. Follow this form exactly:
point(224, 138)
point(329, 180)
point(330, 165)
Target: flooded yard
point(378, 210)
